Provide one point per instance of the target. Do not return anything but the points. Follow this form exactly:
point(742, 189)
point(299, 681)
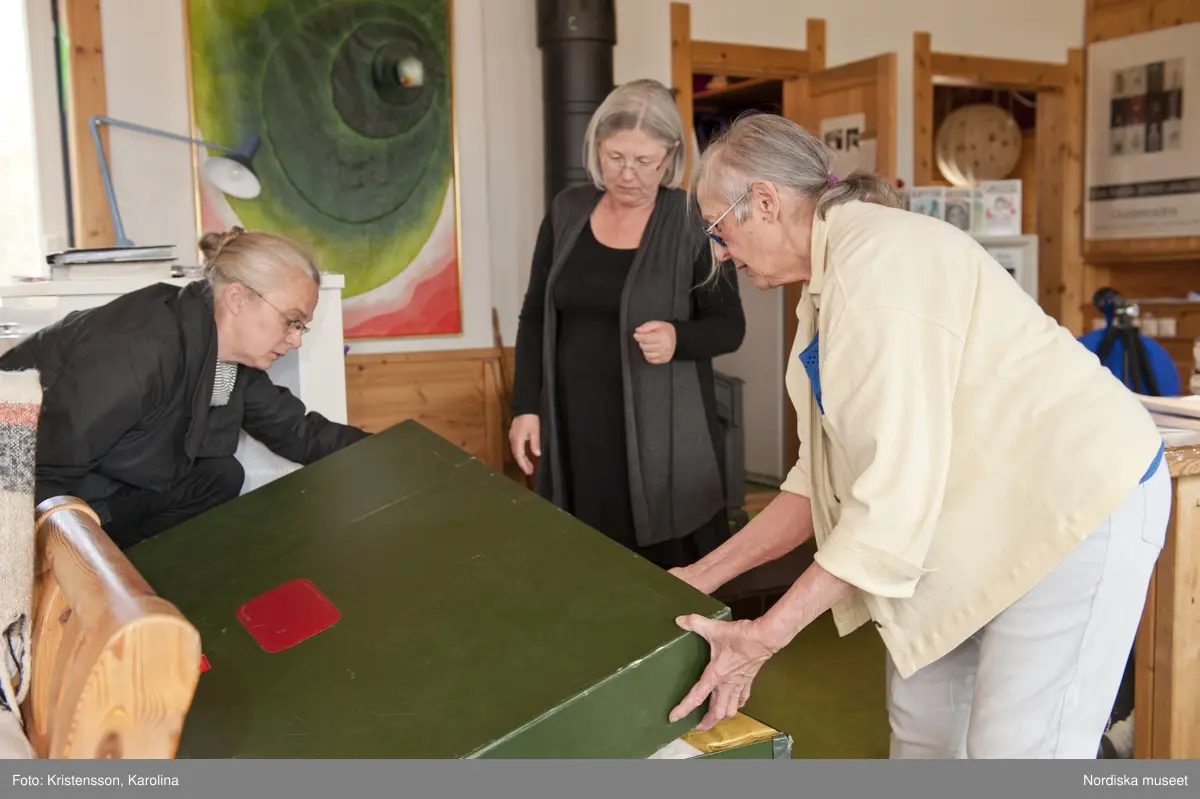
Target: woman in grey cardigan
point(614, 380)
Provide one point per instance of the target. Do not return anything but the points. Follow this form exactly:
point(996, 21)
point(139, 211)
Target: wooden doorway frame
point(1059, 157)
point(803, 75)
point(689, 56)
point(792, 67)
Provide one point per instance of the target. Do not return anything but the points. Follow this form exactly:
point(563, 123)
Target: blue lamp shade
point(233, 175)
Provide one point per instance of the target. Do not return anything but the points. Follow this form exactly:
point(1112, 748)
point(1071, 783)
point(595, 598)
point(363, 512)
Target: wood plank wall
point(80, 25)
point(1133, 268)
point(461, 395)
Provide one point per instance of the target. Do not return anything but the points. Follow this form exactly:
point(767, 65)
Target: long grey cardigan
point(675, 482)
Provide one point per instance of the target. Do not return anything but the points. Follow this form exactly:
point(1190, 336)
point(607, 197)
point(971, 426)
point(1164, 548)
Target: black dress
point(590, 399)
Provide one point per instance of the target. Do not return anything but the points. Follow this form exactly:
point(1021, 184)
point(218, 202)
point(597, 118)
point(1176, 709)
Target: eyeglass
point(293, 324)
point(720, 241)
point(641, 165)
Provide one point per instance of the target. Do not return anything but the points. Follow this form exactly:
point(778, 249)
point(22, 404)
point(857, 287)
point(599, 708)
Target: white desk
point(315, 373)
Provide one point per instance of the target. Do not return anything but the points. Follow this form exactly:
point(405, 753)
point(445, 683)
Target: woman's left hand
point(738, 650)
point(657, 340)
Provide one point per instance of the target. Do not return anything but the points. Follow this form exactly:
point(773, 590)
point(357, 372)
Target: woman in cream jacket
point(981, 489)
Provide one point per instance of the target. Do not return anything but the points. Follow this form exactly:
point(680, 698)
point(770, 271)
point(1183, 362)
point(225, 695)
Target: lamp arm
point(118, 228)
point(97, 121)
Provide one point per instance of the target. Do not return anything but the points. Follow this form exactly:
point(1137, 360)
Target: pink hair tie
point(833, 180)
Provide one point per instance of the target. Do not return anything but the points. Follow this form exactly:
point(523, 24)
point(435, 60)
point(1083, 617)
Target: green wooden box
point(476, 619)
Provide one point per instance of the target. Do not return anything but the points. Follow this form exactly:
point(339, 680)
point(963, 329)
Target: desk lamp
point(232, 172)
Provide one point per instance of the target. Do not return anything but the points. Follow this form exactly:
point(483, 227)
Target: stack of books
point(1178, 418)
point(108, 263)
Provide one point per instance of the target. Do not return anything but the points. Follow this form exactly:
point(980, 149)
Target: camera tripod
point(1135, 364)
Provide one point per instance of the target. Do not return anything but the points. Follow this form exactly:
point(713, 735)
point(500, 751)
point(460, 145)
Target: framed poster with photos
point(1142, 167)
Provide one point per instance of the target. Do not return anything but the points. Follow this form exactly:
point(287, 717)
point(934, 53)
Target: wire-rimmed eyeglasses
point(709, 232)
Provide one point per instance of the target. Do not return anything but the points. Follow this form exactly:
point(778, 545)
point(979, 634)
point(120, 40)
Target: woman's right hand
point(525, 429)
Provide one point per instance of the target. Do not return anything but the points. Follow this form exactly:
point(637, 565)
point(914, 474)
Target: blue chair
point(1148, 370)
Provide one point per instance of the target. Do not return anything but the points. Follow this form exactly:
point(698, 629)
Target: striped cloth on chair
point(20, 406)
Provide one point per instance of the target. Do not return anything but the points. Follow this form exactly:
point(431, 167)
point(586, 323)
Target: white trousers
point(1039, 680)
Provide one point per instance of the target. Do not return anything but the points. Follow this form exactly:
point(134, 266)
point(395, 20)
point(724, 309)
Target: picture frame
point(377, 204)
point(1142, 145)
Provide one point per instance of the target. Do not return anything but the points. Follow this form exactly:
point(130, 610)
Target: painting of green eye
point(351, 101)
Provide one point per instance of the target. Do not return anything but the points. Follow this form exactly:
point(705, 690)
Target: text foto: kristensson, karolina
point(1145, 782)
point(78, 781)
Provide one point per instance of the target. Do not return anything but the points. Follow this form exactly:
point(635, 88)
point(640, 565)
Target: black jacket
point(126, 397)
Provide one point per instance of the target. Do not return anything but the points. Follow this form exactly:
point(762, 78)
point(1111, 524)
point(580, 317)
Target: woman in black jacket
point(614, 386)
point(144, 397)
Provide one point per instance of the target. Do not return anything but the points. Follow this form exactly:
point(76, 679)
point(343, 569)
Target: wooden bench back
point(114, 667)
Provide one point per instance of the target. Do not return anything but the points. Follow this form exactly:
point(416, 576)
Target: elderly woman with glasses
point(614, 378)
point(980, 488)
point(144, 397)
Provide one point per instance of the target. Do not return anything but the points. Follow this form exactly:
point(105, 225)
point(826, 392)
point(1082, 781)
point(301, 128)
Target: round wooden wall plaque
point(977, 142)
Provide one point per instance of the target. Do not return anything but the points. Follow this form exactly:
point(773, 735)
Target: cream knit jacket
point(958, 443)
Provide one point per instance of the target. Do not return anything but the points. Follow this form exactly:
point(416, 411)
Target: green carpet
point(826, 692)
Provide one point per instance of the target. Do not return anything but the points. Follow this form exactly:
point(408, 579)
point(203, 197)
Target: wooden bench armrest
point(114, 666)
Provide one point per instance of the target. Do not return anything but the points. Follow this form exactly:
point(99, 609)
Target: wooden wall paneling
point(1027, 171)
point(1014, 73)
point(1072, 162)
point(80, 24)
point(886, 126)
point(681, 74)
point(1114, 251)
point(923, 170)
point(1066, 307)
point(1113, 19)
point(1048, 177)
point(454, 393)
point(814, 44)
point(747, 61)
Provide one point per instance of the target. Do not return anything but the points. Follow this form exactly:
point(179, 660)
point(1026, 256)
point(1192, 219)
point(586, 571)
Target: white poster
point(851, 153)
point(1142, 168)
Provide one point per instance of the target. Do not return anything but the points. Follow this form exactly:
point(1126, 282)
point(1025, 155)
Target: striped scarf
point(223, 383)
point(20, 406)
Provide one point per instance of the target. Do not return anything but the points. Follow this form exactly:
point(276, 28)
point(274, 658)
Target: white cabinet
point(1017, 254)
point(315, 373)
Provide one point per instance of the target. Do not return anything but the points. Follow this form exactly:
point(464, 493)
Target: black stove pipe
point(576, 38)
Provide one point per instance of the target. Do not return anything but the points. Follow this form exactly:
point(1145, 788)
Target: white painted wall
point(499, 114)
point(47, 127)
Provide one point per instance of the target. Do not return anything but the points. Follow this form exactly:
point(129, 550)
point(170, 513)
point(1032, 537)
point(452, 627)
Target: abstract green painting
point(351, 102)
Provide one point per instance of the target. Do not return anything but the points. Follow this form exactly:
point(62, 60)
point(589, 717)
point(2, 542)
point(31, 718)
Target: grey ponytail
point(770, 147)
